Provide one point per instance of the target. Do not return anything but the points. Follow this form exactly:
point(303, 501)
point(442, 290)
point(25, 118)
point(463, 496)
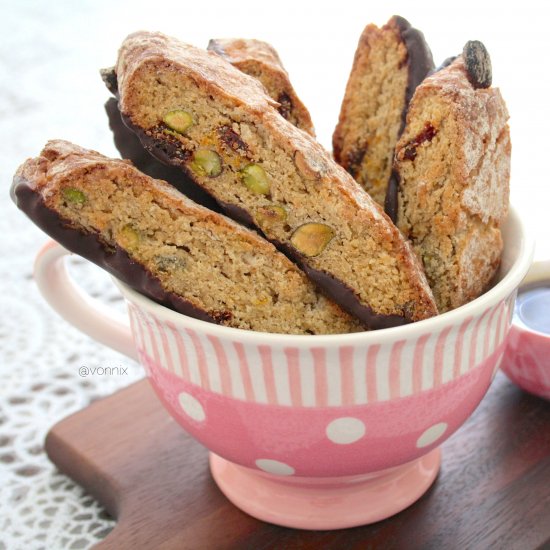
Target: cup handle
point(82, 311)
point(539, 271)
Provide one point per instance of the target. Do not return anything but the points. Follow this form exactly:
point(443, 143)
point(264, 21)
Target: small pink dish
point(527, 358)
point(314, 432)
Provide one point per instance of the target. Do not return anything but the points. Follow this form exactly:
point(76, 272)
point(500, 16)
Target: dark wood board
point(493, 490)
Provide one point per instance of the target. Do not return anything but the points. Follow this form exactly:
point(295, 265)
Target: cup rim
point(519, 324)
point(510, 281)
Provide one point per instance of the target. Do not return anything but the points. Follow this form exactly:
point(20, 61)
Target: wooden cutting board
point(493, 490)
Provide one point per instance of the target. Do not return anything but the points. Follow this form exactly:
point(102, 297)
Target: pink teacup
point(316, 432)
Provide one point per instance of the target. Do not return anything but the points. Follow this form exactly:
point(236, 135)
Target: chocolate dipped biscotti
point(193, 110)
point(260, 60)
point(390, 62)
point(147, 234)
point(453, 162)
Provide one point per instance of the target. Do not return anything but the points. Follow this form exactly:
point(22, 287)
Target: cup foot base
point(335, 503)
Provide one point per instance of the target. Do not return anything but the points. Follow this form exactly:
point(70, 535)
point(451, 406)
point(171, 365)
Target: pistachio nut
point(206, 163)
point(312, 238)
point(255, 179)
point(73, 195)
point(178, 120)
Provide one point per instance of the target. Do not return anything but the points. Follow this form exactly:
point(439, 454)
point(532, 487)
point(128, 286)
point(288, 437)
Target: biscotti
point(453, 161)
point(192, 109)
point(180, 254)
point(390, 62)
point(260, 60)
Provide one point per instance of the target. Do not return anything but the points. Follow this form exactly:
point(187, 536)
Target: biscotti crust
point(182, 255)
point(453, 160)
point(389, 63)
point(260, 60)
point(310, 186)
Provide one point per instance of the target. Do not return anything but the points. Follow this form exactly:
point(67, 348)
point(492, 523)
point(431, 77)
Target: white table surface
point(50, 53)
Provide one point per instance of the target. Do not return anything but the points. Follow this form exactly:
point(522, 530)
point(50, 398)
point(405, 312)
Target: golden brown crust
point(241, 50)
point(330, 189)
point(454, 162)
point(156, 48)
point(260, 60)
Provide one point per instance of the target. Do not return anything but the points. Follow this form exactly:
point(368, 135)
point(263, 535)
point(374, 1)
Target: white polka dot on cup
point(345, 430)
point(191, 407)
point(274, 467)
point(431, 435)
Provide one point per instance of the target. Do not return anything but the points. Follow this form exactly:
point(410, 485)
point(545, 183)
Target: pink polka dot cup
point(315, 432)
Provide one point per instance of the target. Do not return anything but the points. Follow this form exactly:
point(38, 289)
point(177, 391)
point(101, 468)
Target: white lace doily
point(49, 88)
point(40, 356)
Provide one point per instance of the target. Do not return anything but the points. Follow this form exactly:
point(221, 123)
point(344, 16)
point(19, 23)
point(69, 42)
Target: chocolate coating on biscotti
point(420, 61)
point(390, 204)
point(89, 245)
